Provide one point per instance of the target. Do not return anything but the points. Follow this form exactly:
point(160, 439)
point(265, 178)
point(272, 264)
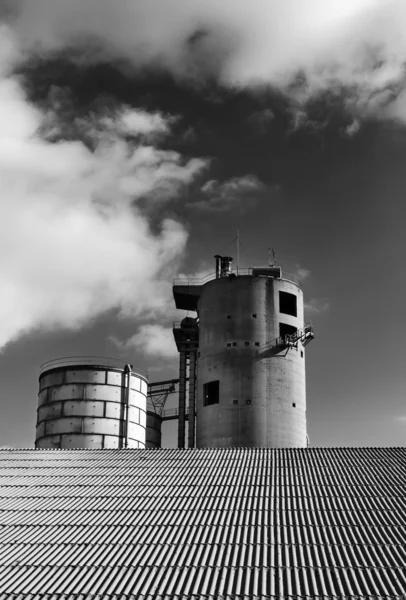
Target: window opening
point(285, 329)
point(288, 304)
point(211, 393)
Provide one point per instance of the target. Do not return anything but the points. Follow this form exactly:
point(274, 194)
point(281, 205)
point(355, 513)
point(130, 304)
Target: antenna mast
point(272, 262)
point(238, 249)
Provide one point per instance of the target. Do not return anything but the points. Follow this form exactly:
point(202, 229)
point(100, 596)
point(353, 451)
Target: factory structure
point(243, 509)
point(241, 377)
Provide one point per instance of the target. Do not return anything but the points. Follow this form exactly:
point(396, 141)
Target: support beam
point(182, 399)
point(192, 398)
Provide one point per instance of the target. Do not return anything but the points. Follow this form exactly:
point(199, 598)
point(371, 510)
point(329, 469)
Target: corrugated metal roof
point(238, 523)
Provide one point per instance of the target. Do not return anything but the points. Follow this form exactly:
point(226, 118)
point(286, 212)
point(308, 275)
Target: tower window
point(229, 345)
point(211, 393)
point(254, 315)
point(228, 316)
point(247, 343)
point(301, 353)
point(294, 404)
point(285, 329)
point(234, 343)
point(288, 304)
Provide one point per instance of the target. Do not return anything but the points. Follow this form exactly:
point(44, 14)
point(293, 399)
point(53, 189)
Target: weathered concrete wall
point(262, 399)
point(81, 407)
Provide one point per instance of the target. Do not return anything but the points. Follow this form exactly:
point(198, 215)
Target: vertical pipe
point(218, 265)
point(182, 399)
point(127, 405)
point(192, 398)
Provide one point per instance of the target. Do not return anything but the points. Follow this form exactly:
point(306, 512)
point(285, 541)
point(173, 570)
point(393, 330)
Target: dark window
point(235, 401)
point(234, 343)
point(301, 353)
point(229, 345)
point(228, 316)
point(254, 316)
point(294, 404)
point(285, 329)
point(288, 304)
point(211, 393)
point(247, 343)
point(248, 401)
point(257, 343)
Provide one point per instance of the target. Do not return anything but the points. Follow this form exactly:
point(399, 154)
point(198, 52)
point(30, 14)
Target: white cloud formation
point(356, 43)
point(316, 306)
point(301, 273)
point(227, 195)
point(73, 242)
point(152, 340)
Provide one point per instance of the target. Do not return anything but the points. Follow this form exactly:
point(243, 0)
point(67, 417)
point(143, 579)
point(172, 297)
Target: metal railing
point(104, 362)
point(249, 271)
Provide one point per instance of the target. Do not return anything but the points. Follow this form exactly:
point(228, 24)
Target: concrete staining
point(85, 406)
point(262, 389)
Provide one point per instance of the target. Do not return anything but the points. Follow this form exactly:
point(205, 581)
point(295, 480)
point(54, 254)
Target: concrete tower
point(251, 386)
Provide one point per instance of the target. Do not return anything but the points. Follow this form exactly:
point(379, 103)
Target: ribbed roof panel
point(238, 523)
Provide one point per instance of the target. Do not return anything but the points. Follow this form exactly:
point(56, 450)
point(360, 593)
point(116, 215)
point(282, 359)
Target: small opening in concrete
point(211, 392)
point(248, 401)
point(294, 404)
point(288, 304)
point(247, 343)
point(235, 401)
point(234, 343)
point(257, 343)
point(228, 316)
point(301, 353)
point(254, 315)
point(229, 345)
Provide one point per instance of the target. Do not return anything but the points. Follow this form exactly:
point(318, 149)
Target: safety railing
point(105, 362)
point(211, 276)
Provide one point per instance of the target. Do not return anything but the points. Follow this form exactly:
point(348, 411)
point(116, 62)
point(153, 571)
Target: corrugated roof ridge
point(193, 596)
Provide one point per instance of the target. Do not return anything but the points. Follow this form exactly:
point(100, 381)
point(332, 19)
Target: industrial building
point(241, 378)
point(248, 511)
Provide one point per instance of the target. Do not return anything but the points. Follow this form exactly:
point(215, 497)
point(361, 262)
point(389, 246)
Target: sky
point(137, 137)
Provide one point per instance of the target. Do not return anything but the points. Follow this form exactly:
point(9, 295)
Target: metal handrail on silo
point(91, 361)
point(202, 280)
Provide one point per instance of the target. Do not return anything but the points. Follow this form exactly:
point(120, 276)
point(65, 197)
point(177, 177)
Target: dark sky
point(321, 183)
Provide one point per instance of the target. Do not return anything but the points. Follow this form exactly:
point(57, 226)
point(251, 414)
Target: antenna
point(238, 249)
point(272, 262)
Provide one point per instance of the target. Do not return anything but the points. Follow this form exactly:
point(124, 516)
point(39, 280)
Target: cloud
point(153, 339)
point(316, 306)
point(301, 46)
point(74, 241)
point(301, 273)
point(241, 192)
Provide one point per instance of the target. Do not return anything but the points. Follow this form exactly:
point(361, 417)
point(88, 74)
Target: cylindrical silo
point(251, 389)
point(91, 402)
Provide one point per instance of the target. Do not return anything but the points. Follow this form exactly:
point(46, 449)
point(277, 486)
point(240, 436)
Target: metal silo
point(251, 389)
point(91, 402)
